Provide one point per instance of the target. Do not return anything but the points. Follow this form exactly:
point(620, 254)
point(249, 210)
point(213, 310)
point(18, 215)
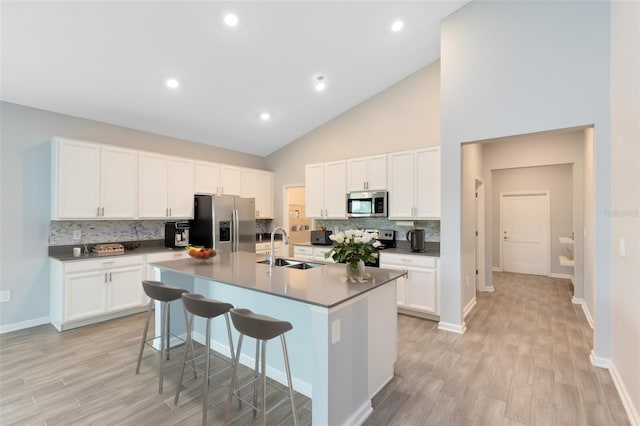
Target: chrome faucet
point(272, 260)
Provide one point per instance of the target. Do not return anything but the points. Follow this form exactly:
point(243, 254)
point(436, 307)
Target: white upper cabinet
point(428, 182)
point(230, 180)
point(180, 188)
point(207, 177)
point(258, 184)
point(214, 178)
point(367, 173)
point(92, 181)
point(326, 189)
point(118, 183)
point(414, 184)
point(166, 186)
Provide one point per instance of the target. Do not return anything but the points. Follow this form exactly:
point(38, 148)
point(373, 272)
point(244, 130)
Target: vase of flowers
point(354, 247)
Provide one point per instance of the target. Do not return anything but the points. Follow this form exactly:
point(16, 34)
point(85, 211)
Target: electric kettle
point(416, 238)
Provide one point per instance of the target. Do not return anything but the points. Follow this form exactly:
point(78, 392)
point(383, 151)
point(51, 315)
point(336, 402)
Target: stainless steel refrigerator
point(224, 222)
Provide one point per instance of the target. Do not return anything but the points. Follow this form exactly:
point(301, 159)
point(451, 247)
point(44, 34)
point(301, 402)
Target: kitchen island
point(343, 344)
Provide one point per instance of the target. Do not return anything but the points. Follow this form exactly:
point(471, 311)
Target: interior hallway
point(524, 360)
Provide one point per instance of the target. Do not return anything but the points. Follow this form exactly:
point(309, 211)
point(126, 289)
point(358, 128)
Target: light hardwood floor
point(523, 360)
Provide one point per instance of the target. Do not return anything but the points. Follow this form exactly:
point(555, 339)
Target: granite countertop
point(325, 286)
point(431, 248)
point(65, 253)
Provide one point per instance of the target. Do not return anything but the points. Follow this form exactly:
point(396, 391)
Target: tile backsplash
point(431, 227)
point(105, 231)
point(109, 231)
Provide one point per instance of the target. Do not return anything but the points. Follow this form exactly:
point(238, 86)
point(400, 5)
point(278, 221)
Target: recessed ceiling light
point(231, 20)
point(265, 116)
point(172, 83)
point(397, 26)
point(321, 83)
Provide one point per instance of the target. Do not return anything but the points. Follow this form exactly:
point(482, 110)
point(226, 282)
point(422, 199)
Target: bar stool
point(262, 328)
point(164, 294)
point(200, 306)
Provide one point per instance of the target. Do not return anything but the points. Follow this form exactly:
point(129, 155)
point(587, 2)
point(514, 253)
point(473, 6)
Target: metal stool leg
point(256, 377)
point(144, 335)
point(168, 324)
point(264, 382)
point(184, 362)
point(286, 367)
point(163, 327)
point(205, 389)
point(232, 356)
point(227, 411)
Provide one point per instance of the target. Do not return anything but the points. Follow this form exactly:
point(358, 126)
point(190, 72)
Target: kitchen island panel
point(340, 355)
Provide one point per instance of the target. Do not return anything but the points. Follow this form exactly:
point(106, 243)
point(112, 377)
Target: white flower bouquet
point(354, 245)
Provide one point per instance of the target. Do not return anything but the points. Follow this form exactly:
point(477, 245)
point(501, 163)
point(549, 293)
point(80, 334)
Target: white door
point(377, 172)
point(264, 194)
point(524, 224)
point(421, 290)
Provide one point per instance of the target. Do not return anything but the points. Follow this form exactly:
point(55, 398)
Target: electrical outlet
point(622, 250)
point(467, 280)
point(335, 331)
point(77, 234)
point(5, 296)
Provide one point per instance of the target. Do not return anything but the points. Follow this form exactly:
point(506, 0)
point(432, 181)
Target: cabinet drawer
point(101, 263)
point(303, 250)
point(407, 260)
point(165, 257)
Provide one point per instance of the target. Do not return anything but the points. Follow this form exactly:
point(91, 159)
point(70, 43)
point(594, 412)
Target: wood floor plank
point(523, 361)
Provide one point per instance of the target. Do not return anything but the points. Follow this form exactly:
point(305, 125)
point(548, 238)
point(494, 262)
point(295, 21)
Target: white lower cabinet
point(89, 291)
point(265, 248)
point(312, 253)
point(419, 292)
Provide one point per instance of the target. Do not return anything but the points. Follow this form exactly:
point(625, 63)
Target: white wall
point(558, 181)
point(625, 212)
point(512, 68)
point(404, 116)
point(25, 196)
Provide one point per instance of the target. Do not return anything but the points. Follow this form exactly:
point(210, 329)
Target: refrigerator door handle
point(234, 230)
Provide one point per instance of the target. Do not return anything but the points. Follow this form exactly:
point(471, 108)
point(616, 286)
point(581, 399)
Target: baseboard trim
point(496, 269)
point(629, 408)
point(360, 415)
point(562, 276)
point(587, 314)
point(469, 307)
point(7, 328)
point(597, 361)
point(454, 328)
point(585, 309)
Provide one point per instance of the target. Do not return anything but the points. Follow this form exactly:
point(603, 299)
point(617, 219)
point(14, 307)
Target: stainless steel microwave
point(367, 204)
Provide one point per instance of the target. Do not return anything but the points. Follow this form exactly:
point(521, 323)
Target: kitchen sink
point(280, 262)
point(305, 265)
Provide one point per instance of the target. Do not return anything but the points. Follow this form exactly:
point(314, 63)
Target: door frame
point(547, 243)
point(284, 251)
point(480, 239)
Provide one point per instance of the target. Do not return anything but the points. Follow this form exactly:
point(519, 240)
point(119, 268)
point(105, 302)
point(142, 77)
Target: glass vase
point(355, 271)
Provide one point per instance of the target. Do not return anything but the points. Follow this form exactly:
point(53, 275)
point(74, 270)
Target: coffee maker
point(176, 234)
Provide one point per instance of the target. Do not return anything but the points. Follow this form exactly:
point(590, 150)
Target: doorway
point(524, 230)
point(295, 221)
